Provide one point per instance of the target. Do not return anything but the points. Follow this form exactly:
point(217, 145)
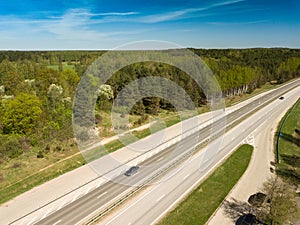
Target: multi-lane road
point(158, 198)
point(156, 201)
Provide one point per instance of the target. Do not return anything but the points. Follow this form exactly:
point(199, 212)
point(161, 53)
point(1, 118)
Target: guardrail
point(172, 165)
point(194, 150)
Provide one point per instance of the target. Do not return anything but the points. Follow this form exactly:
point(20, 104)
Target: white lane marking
point(98, 185)
point(131, 205)
point(104, 193)
point(88, 190)
point(75, 198)
point(128, 223)
point(232, 138)
point(160, 158)
point(46, 214)
point(31, 221)
point(186, 177)
point(61, 206)
point(161, 197)
point(57, 222)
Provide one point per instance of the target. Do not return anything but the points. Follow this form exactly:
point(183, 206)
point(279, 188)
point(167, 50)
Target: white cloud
point(184, 13)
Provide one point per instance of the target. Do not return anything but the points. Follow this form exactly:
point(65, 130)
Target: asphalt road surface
point(78, 211)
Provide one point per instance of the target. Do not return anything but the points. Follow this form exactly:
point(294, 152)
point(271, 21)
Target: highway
point(189, 175)
point(162, 197)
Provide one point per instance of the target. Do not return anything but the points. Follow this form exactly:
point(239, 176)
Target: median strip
point(206, 198)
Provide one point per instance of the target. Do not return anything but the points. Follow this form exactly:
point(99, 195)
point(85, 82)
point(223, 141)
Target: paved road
point(78, 210)
point(162, 197)
point(259, 168)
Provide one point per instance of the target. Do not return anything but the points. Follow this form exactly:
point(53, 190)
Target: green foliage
point(21, 115)
point(70, 80)
point(51, 78)
point(10, 146)
point(281, 205)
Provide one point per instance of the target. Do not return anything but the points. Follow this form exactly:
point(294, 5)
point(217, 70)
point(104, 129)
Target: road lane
point(176, 187)
point(87, 204)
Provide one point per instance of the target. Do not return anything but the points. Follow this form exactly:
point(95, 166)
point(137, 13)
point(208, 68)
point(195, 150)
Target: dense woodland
point(37, 88)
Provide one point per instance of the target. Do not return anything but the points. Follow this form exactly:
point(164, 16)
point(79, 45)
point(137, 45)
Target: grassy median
point(206, 198)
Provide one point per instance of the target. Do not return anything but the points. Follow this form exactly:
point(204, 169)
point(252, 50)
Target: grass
point(31, 175)
point(64, 67)
point(289, 145)
point(198, 207)
point(23, 173)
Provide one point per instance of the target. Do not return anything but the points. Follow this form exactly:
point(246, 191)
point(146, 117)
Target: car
point(247, 219)
point(132, 170)
point(281, 98)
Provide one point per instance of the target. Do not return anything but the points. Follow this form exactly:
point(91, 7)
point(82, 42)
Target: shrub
point(10, 146)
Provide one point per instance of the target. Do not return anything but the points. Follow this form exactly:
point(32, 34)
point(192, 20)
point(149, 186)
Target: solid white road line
point(75, 198)
point(61, 205)
point(87, 191)
point(31, 221)
point(98, 185)
point(102, 194)
point(46, 214)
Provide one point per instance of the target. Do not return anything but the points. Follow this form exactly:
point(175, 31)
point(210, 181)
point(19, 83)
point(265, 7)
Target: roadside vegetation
point(198, 207)
point(37, 90)
point(288, 166)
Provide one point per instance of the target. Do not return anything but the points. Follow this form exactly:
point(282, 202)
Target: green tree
point(280, 206)
point(70, 80)
point(21, 114)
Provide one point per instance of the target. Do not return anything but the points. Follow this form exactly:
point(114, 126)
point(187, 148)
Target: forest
point(37, 88)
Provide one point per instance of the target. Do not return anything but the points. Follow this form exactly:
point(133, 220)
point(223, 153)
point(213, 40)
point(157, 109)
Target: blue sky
point(106, 24)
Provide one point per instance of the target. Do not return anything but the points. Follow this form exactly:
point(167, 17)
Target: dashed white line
point(57, 222)
point(161, 197)
point(186, 177)
point(160, 159)
point(104, 193)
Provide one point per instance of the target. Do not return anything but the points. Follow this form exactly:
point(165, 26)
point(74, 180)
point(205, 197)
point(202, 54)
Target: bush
point(10, 146)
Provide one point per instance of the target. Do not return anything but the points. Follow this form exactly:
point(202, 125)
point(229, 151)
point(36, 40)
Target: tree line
point(36, 97)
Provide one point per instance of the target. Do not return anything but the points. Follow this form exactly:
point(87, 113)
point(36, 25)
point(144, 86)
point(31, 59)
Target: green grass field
point(64, 67)
point(206, 198)
point(289, 145)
